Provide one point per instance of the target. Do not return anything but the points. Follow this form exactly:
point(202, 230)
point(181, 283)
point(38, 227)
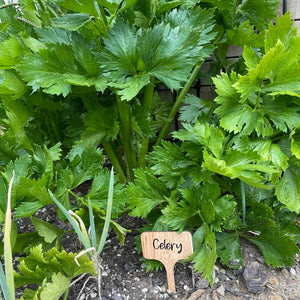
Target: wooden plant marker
point(168, 247)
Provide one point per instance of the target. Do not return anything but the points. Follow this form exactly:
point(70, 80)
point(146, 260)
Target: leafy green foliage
point(57, 268)
point(246, 135)
point(130, 57)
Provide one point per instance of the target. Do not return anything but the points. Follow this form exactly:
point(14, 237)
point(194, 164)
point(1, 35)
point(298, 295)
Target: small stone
point(202, 283)
point(272, 282)
point(104, 274)
point(196, 295)
point(186, 287)
point(216, 268)
point(216, 280)
point(82, 297)
point(254, 278)
point(144, 290)
point(221, 290)
point(116, 297)
point(275, 297)
point(137, 279)
point(93, 295)
point(293, 271)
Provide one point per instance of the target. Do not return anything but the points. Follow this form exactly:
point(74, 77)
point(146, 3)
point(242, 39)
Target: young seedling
point(88, 237)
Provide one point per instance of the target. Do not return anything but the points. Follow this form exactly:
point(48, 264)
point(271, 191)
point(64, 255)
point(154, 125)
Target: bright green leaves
point(39, 265)
point(11, 52)
point(168, 51)
point(253, 102)
point(288, 188)
point(218, 157)
point(205, 248)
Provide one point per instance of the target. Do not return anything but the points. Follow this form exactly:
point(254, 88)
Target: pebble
point(144, 290)
point(221, 290)
point(254, 277)
point(116, 297)
point(104, 274)
point(93, 295)
point(202, 283)
point(272, 282)
point(82, 297)
point(293, 271)
point(196, 295)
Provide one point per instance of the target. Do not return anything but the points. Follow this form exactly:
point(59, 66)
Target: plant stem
point(103, 16)
point(125, 119)
point(243, 201)
point(164, 131)
point(114, 160)
point(7, 244)
point(148, 100)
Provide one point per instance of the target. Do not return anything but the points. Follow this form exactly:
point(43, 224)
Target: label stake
point(168, 247)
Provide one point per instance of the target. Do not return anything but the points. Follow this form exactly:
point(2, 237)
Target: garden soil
point(124, 273)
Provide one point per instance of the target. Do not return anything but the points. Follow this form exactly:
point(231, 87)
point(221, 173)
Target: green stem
point(7, 244)
point(103, 16)
point(125, 119)
point(114, 160)
point(243, 202)
point(90, 103)
point(148, 100)
point(164, 131)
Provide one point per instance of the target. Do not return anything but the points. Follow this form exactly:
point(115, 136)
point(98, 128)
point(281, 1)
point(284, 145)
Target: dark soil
point(124, 274)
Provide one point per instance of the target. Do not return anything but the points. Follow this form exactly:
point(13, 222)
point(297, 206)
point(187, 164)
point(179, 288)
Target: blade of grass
point(92, 226)
point(3, 283)
point(108, 213)
point(84, 239)
point(9, 272)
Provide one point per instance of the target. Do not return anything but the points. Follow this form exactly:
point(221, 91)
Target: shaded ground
point(124, 277)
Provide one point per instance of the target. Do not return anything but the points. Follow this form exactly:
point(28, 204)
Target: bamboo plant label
point(168, 247)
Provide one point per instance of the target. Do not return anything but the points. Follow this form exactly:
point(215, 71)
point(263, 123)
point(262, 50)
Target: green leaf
point(85, 161)
point(238, 165)
point(282, 30)
point(229, 250)
point(210, 136)
point(11, 52)
point(287, 189)
point(195, 108)
point(99, 191)
point(173, 46)
point(245, 35)
point(145, 193)
point(259, 12)
point(205, 259)
point(295, 145)
point(46, 73)
point(72, 21)
point(278, 249)
point(53, 290)
point(52, 35)
point(89, 7)
point(170, 163)
point(46, 230)
point(11, 84)
point(101, 124)
point(39, 265)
